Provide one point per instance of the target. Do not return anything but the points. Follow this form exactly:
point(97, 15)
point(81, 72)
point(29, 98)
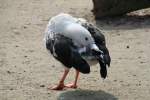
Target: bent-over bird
point(76, 43)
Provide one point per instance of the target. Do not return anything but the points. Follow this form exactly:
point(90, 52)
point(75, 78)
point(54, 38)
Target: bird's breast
point(91, 61)
point(88, 56)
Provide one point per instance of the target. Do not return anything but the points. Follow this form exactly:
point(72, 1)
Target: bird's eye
point(86, 38)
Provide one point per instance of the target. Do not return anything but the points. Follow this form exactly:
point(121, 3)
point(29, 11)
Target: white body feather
point(67, 25)
point(70, 27)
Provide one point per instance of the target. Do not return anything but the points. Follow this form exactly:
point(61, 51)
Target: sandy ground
point(26, 69)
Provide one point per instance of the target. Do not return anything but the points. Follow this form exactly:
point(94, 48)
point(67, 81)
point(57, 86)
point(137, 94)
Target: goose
point(77, 44)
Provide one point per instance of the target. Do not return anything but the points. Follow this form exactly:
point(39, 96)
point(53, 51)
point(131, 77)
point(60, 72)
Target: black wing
point(67, 54)
point(99, 39)
point(106, 58)
point(100, 42)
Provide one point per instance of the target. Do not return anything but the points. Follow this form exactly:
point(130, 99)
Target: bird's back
point(66, 25)
point(69, 38)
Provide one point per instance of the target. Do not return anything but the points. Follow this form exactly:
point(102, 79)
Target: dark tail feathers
point(103, 69)
point(107, 59)
point(104, 59)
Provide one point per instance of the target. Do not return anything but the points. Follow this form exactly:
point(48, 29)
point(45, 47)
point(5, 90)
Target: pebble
point(53, 66)
point(127, 46)
point(42, 85)
point(25, 56)
point(11, 89)
point(24, 27)
point(8, 72)
point(142, 62)
point(16, 46)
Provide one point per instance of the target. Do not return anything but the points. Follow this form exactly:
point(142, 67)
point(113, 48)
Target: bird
point(77, 44)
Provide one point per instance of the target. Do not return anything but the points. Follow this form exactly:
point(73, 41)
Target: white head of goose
point(74, 42)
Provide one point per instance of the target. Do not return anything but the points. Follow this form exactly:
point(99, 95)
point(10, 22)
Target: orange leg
point(74, 84)
point(60, 86)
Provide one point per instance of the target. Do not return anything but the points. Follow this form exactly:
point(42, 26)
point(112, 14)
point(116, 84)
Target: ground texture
point(27, 69)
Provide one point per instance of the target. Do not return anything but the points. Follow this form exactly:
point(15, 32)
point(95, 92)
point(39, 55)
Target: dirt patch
point(27, 69)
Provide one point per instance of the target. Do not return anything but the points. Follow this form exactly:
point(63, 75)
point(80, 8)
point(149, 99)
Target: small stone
point(53, 66)
point(127, 46)
point(25, 56)
point(42, 85)
point(16, 32)
point(121, 81)
point(115, 80)
point(11, 89)
point(142, 62)
point(8, 72)
point(16, 46)
point(138, 84)
point(134, 75)
point(24, 27)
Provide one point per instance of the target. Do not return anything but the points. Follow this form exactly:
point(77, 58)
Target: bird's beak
point(94, 48)
point(100, 57)
point(97, 52)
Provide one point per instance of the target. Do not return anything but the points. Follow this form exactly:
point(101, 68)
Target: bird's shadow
point(126, 22)
point(86, 95)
